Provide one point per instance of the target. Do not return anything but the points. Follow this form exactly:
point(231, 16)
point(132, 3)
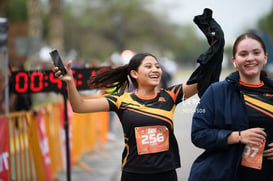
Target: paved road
point(188, 152)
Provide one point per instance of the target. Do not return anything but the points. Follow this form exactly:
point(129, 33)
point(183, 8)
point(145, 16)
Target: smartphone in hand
point(57, 61)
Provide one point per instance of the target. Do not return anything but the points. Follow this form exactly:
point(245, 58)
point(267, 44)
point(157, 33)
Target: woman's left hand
point(269, 152)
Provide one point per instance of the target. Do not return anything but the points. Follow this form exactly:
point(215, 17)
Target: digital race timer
point(45, 81)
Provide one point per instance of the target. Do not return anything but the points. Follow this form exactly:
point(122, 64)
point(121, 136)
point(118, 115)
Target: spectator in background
point(77, 63)
point(169, 68)
point(165, 79)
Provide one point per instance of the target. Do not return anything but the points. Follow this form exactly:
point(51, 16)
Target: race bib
point(253, 156)
point(152, 139)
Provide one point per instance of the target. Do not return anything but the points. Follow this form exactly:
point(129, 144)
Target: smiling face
point(249, 58)
point(148, 73)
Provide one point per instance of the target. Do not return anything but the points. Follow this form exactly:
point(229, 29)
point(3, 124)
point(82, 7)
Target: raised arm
point(189, 90)
point(78, 103)
point(210, 61)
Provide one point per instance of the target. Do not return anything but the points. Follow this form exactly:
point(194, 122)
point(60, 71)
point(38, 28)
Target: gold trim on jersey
point(132, 105)
point(259, 105)
point(127, 154)
point(152, 113)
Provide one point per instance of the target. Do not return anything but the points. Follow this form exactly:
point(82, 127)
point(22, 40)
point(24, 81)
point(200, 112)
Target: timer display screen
point(45, 81)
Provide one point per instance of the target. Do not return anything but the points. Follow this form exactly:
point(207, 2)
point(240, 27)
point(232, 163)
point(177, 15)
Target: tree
point(3, 8)
point(56, 34)
point(97, 28)
point(265, 24)
point(35, 27)
point(16, 10)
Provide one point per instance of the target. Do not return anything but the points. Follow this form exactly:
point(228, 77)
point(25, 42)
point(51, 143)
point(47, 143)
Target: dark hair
point(244, 36)
point(252, 36)
point(118, 78)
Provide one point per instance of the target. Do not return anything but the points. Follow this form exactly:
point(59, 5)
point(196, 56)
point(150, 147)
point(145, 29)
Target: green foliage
point(17, 10)
point(265, 23)
point(98, 28)
point(45, 20)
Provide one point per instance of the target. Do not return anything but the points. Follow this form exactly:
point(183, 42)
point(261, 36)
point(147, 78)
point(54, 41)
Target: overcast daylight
point(111, 90)
point(234, 16)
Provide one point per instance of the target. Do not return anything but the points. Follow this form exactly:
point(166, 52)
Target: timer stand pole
point(66, 127)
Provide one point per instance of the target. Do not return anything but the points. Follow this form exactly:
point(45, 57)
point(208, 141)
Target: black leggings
point(165, 176)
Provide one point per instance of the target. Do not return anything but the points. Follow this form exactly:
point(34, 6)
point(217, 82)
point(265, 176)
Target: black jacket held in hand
point(210, 61)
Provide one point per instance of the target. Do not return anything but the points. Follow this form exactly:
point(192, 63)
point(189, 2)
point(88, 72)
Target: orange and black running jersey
point(134, 112)
point(259, 103)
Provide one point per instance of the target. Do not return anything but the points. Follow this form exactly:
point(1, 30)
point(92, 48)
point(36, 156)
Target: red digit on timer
point(24, 76)
point(80, 77)
point(55, 80)
point(33, 87)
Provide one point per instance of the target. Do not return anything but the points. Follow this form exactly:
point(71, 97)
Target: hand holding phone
point(58, 61)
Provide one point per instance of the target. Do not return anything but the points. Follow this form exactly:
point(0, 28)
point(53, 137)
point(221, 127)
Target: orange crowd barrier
point(25, 153)
point(20, 155)
point(36, 145)
point(54, 131)
point(89, 132)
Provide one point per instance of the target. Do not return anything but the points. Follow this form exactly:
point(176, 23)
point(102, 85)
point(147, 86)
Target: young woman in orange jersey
point(146, 115)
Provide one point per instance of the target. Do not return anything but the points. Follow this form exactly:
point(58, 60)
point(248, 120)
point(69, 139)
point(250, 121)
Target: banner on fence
point(44, 146)
point(4, 149)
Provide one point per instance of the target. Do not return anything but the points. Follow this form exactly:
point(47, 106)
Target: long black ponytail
point(118, 78)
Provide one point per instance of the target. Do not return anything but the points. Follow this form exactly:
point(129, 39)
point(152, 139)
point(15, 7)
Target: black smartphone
point(57, 61)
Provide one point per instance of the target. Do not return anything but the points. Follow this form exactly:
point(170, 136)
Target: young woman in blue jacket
point(233, 122)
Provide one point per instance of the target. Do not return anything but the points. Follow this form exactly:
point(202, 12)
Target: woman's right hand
point(68, 76)
point(254, 136)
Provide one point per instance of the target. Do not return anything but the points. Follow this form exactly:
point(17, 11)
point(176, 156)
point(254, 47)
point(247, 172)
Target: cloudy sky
point(234, 16)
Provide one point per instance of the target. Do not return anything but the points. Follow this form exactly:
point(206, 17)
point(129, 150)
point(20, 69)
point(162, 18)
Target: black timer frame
point(23, 82)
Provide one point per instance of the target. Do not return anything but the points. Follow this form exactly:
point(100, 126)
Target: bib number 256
point(152, 139)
